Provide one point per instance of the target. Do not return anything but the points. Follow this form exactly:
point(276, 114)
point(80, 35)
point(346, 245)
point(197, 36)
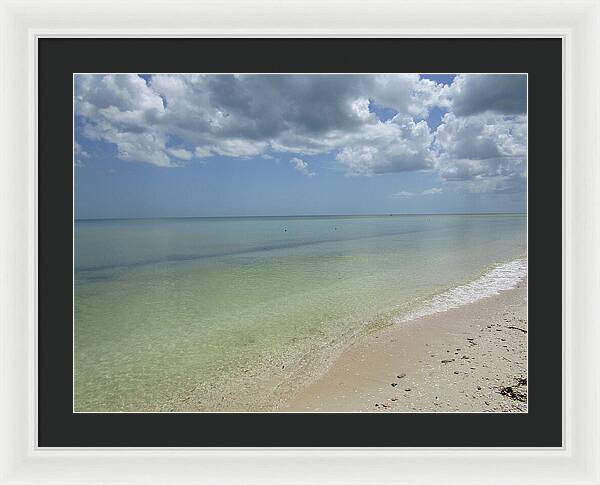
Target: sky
point(194, 145)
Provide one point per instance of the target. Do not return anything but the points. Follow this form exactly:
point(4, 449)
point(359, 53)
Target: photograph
point(300, 242)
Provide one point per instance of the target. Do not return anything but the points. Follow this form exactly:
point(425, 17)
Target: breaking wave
point(503, 277)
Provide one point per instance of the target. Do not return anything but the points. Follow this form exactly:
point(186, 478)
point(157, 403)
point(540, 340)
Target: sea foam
point(503, 277)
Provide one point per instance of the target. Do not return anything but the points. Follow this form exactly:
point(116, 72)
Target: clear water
point(234, 313)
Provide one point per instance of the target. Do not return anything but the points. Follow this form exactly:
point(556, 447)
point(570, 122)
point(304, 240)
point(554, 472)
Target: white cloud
point(170, 120)
point(146, 146)
point(394, 91)
point(428, 94)
point(302, 167)
point(361, 108)
point(202, 152)
point(479, 148)
point(122, 110)
point(181, 153)
point(239, 148)
point(80, 155)
point(432, 191)
point(403, 194)
point(242, 115)
point(397, 145)
point(126, 92)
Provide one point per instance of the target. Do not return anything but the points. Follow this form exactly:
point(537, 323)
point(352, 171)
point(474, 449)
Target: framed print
point(242, 254)
point(281, 250)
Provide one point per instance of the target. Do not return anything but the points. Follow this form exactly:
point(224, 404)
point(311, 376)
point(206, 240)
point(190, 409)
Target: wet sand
point(467, 359)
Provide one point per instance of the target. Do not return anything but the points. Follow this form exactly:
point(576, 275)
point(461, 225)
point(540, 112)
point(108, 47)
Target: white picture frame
point(576, 22)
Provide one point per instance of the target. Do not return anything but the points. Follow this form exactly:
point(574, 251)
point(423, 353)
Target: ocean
point(234, 314)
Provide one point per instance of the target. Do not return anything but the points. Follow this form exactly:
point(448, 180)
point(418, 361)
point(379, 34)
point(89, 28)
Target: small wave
point(503, 277)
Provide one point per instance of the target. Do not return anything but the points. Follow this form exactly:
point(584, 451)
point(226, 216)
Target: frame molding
point(577, 22)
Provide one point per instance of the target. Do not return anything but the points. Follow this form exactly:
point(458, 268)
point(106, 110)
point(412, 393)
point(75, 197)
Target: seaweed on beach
point(512, 393)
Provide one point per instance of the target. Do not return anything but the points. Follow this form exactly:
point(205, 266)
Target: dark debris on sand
point(513, 393)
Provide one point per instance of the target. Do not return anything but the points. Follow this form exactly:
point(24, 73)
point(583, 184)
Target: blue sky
point(184, 146)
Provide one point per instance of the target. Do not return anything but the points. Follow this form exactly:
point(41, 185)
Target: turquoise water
point(234, 313)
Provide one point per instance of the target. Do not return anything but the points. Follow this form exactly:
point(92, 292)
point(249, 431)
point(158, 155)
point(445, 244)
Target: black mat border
point(58, 59)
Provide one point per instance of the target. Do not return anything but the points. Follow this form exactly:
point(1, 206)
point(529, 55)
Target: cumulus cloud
point(432, 191)
point(481, 148)
point(181, 153)
point(241, 115)
point(302, 167)
point(122, 110)
point(476, 93)
point(173, 120)
point(202, 152)
point(239, 148)
point(398, 145)
point(80, 155)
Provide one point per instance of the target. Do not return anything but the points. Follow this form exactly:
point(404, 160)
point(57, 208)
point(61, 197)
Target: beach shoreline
point(181, 316)
point(472, 358)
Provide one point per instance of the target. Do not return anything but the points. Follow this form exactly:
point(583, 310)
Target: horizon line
point(296, 216)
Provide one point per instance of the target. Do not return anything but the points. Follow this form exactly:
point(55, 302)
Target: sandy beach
point(467, 359)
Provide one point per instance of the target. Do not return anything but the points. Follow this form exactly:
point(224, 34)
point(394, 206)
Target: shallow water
point(218, 314)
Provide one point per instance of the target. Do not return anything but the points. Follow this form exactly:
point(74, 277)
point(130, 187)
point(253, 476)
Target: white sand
point(471, 359)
